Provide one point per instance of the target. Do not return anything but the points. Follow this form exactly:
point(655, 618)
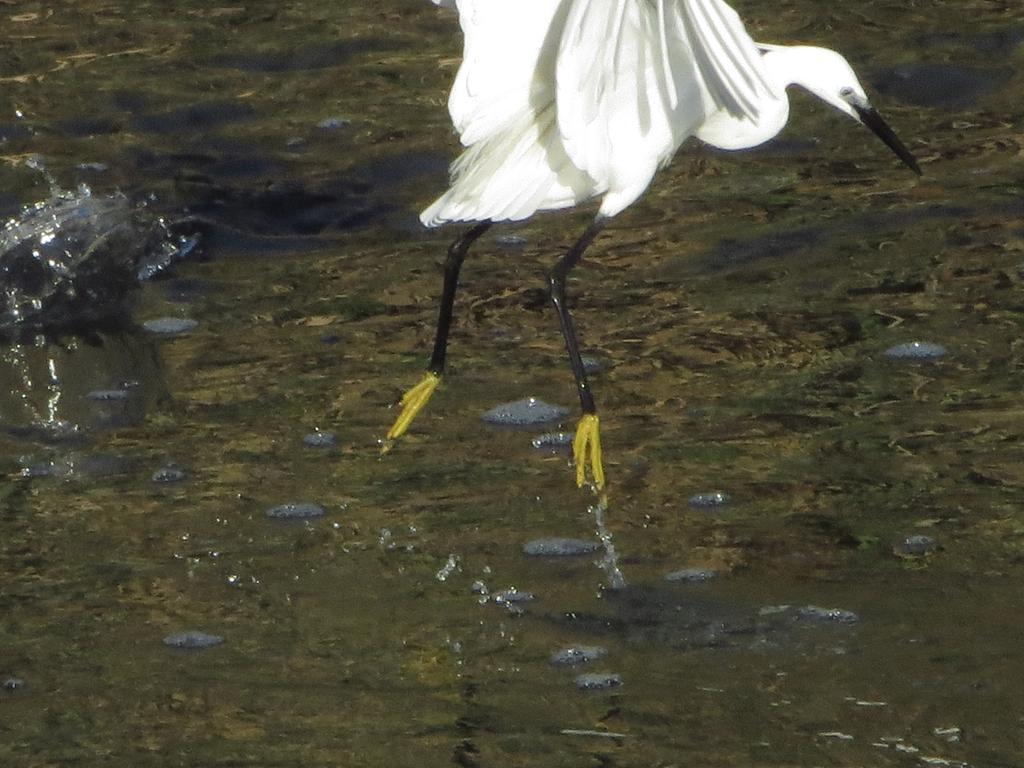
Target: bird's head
point(830, 77)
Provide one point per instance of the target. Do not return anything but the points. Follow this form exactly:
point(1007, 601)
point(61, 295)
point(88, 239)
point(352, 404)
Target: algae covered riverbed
point(808, 363)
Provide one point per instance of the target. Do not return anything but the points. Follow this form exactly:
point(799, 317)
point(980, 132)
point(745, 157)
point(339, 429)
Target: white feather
point(558, 101)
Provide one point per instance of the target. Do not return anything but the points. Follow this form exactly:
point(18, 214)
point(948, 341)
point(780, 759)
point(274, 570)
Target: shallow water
point(741, 313)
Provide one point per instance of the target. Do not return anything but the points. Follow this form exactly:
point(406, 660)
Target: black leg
point(558, 278)
point(456, 253)
point(415, 398)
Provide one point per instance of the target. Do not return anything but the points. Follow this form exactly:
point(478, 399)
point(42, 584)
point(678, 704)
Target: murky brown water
point(741, 312)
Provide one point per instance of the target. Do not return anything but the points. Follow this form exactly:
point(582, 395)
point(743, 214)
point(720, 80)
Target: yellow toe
point(586, 451)
point(412, 403)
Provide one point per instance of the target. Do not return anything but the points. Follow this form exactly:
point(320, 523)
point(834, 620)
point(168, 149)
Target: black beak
point(870, 117)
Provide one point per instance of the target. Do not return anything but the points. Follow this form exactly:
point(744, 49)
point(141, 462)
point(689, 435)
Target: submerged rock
point(559, 547)
point(578, 654)
point(598, 681)
point(170, 326)
point(106, 395)
point(192, 640)
point(333, 123)
point(510, 240)
point(693, 575)
point(916, 545)
point(837, 615)
point(298, 510)
point(512, 596)
point(709, 501)
point(553, 441)
point(916, 351)
point(527, 412)
point(318, 439)
point(171, 473)
point(13, 684)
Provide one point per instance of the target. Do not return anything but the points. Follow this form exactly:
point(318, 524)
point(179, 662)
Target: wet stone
point(553, 441)
point(559, 547)
point(692, 575)
point(916, 545)
point(577, 654)
point(300, 510)
point(318, 439)
point(591, 365)
point(922, 351)
point(513, 596)
point(168, 474)
point(170, 326)
point(13, 684)
point(827, 615)
point(192, 640)
point(510, 240)
point(107, 395)
point(598, 681)
point(332, 123)
point(522, 413)
point(709, 501)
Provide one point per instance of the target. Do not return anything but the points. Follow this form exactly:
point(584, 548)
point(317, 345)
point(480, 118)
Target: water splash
point(610, 562)
point(73, 259)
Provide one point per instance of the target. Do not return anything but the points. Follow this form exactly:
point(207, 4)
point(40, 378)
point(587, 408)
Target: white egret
point(561, 101)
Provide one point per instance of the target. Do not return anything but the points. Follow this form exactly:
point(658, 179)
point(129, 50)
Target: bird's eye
point(846, 93)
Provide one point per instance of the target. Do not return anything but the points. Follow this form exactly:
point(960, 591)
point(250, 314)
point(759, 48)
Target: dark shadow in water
point(14, 132)
point(730, 253)
point(202, 116)
point(321, 56)
point(71, 263)
point(999, 43)
point(82, 126)
point(224, 163)
point(237, 216)
point(941, 85)
point(689, 617)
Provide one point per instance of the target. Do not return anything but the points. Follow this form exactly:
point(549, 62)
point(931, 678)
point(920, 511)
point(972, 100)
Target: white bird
point(561, 101)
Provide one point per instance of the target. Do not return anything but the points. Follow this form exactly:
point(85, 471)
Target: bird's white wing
point(647, 73)
point(507, 65)
point(729, 60)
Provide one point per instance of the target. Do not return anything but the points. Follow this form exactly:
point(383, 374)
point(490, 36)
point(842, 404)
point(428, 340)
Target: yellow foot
point(412, 403)
point(586, 449)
